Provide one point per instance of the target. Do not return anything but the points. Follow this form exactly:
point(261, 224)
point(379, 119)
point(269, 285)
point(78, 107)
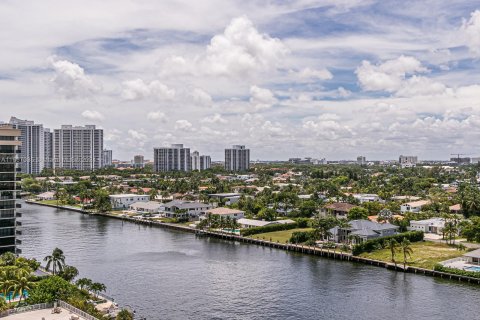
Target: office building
point(138, 161)
point(32, 152)
point(173, 158)
point(9, 145)
point(78, 148)
point(48, 147)
point(237, 158)
point(107, 158)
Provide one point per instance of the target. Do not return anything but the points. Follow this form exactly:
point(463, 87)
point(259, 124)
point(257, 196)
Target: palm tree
point(392, 244)
point(97, 287)
point(83, 283)
point(6, 282)
point(406, 250)
point(22, 284)
point(56, 260)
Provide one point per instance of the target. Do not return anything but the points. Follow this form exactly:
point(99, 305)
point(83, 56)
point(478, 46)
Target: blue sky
point(324, 79)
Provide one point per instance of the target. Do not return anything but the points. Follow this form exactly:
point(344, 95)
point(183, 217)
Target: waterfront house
point(473, 257)
point(227, 198)
point(251, 223)
point(338, 210)
point(49, 195)
point(123, 201)
point(227, 212)
point(362, 230)
point(433, 225)
point(150, 206)
point(415, 206)
point(184, 209)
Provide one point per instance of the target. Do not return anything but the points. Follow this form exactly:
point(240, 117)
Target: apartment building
point(237, 158)
point(200, 163)
point(48, 148)
point(107, 158)
point(79, 148)
point(138, 161)
point(32, 151)
point(173, 158)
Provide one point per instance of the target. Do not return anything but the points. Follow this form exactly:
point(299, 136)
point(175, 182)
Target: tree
point(322, 227)
point(68, 273)
point(21, 285)
point(102, 201)
point(406, 250)
point(50, 289)
point(83, 283)
point(357, 213)
point(97, 287)
point(392, 244)
point(8, 259)
point(124, 314)
point(267, 214)
point(56, 260)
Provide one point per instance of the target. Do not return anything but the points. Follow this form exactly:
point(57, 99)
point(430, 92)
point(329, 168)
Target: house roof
point(185, 204)
point(256, 223)
point(224, 211)
point(455, 207)
point(418, 203)
point(150, 205)
point(473, 254)
point(340, 206)
point(128, 195)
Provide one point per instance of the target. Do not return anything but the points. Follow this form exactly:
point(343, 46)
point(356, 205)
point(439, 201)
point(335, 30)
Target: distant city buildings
point(407, 161)
point(361, 160)
point(107, 158)
point(464, 160)
point(9, 144)
point(237, 158)
point(32, 151)
point(173, 158)
point(200, 163)
point(78, 148)
point(138, 161)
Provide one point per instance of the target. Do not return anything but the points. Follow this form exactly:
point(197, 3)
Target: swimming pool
point(474, 268)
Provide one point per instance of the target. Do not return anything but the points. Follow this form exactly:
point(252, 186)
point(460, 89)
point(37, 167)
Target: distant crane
point(458, 156)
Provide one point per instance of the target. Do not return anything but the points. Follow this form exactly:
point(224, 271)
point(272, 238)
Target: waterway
point(165, 274)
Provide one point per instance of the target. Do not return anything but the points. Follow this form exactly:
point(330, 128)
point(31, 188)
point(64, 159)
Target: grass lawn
point(425, 254)
point(280, 236)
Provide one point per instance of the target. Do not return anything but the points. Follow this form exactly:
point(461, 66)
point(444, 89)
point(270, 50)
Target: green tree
point(56, 260)
point(101, 201)
point(68, 273)
point(406, 250)
point(21, 285)
point(51, 289)
point(357, 213)
point(392, 244)
point(83, 283)
point(97, 287)
point(124, 314)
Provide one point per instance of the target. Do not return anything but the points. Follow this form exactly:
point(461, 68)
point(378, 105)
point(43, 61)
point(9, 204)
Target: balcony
point(18, 205)
point(18, 251)
point(19, 215)
point(18, 241)
point(18, 232)
point(19, 224)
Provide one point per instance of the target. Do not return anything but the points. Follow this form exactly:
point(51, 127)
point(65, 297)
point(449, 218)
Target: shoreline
point(332, 254)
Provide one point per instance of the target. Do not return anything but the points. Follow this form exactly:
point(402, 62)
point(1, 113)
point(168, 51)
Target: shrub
point(269, 228)
point(51, 289)
point(375, 244)
point(301, 236)
point(472, 274)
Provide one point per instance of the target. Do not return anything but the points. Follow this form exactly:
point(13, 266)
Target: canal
point(166, 274)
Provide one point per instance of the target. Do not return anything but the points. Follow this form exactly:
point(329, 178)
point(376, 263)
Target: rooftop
point(224, 211)
point(340, 206)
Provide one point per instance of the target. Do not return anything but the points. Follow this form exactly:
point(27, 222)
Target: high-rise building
point(237, 158)
point(48, 143)
point(200, 163)
point(361, 160)
point(9, 144)
point(408, 159)
point(78, 148)
point(32, 154)
point(173, 158)
point(138, 161)
point(107, 158)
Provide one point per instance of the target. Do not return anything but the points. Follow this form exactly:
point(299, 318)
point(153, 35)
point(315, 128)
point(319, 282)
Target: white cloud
point(216, 118)
point(138, 89)
point(157, 116)
point(201, 97)
point(93, 115)
point(242, 50)
point(184, 125)
point(471, 32)
point(261, 98)
point(71, 81)
point(137, 135)
point(321, 74)
point(327, 127)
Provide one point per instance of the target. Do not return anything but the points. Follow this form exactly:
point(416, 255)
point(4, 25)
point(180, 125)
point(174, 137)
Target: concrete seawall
point(327, 253)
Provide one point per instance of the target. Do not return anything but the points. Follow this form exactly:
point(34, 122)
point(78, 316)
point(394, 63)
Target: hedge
point(472, 274)
point(371, 245)
point(301, 236)
point(269, 228)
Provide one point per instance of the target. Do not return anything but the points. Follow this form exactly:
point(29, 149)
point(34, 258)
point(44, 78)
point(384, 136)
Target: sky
point(322, 79)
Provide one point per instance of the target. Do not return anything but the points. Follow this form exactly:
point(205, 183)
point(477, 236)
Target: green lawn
point(425, 254)
point(55, 202)
point(280, 236)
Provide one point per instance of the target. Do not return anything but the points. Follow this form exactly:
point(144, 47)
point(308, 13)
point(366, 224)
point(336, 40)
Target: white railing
point(39, 306)
point(83, 314)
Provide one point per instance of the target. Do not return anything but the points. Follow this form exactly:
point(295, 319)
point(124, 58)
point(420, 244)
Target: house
point(150, 206)
point(227, 212)
point(123, 201)
point(338, 209)
point(363, 230)
point(228, 198)
point(455, 209)
point(251, 223)
point(49, 195)
point(473, 257)
point(184, 209)
point(433, 225)
point(366, 197)
point(415, 206)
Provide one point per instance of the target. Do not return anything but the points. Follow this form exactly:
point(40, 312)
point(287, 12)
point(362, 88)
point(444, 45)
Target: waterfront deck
point(44, 314)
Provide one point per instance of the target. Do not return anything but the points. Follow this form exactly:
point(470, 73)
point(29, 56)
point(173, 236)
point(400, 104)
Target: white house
point(251, 223)
point(366, 197)
point(434, 225)
point(49, 195)
point(227, 212)
point(184, 209)
point(150, 206)
point(123, 201)
point(229, 198)
point(415, 206)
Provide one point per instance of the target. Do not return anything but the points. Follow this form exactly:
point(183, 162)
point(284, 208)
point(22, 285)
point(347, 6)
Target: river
point(166, 274)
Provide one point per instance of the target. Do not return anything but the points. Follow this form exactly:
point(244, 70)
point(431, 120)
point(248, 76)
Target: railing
point(83, 314)
point(26, 309)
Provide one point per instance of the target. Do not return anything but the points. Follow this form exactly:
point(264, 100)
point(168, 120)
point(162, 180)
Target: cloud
point(327, 127)
point(137, 135)
point(157, 116)
point(71, 81)
point(242, 50)
point(138, 89)
point(201, 97)
point(216, 118)
point(261, 98)
point(471, 32)
point(321, 74)
point(93, 115)
point(184, 125)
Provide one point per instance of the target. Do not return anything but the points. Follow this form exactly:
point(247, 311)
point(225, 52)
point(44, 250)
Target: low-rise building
point(415, 206)
point(49, 195)
point(227, 212)
point(123, 201)
point(366, 197)
point(150, 206)
point(362, 230)
point(473, 257)
point(228, 198)
point(433, 225)
point(251, 223)
point(185, 209)
point(338, 210)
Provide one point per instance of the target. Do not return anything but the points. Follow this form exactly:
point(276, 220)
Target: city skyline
point(326, 79)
